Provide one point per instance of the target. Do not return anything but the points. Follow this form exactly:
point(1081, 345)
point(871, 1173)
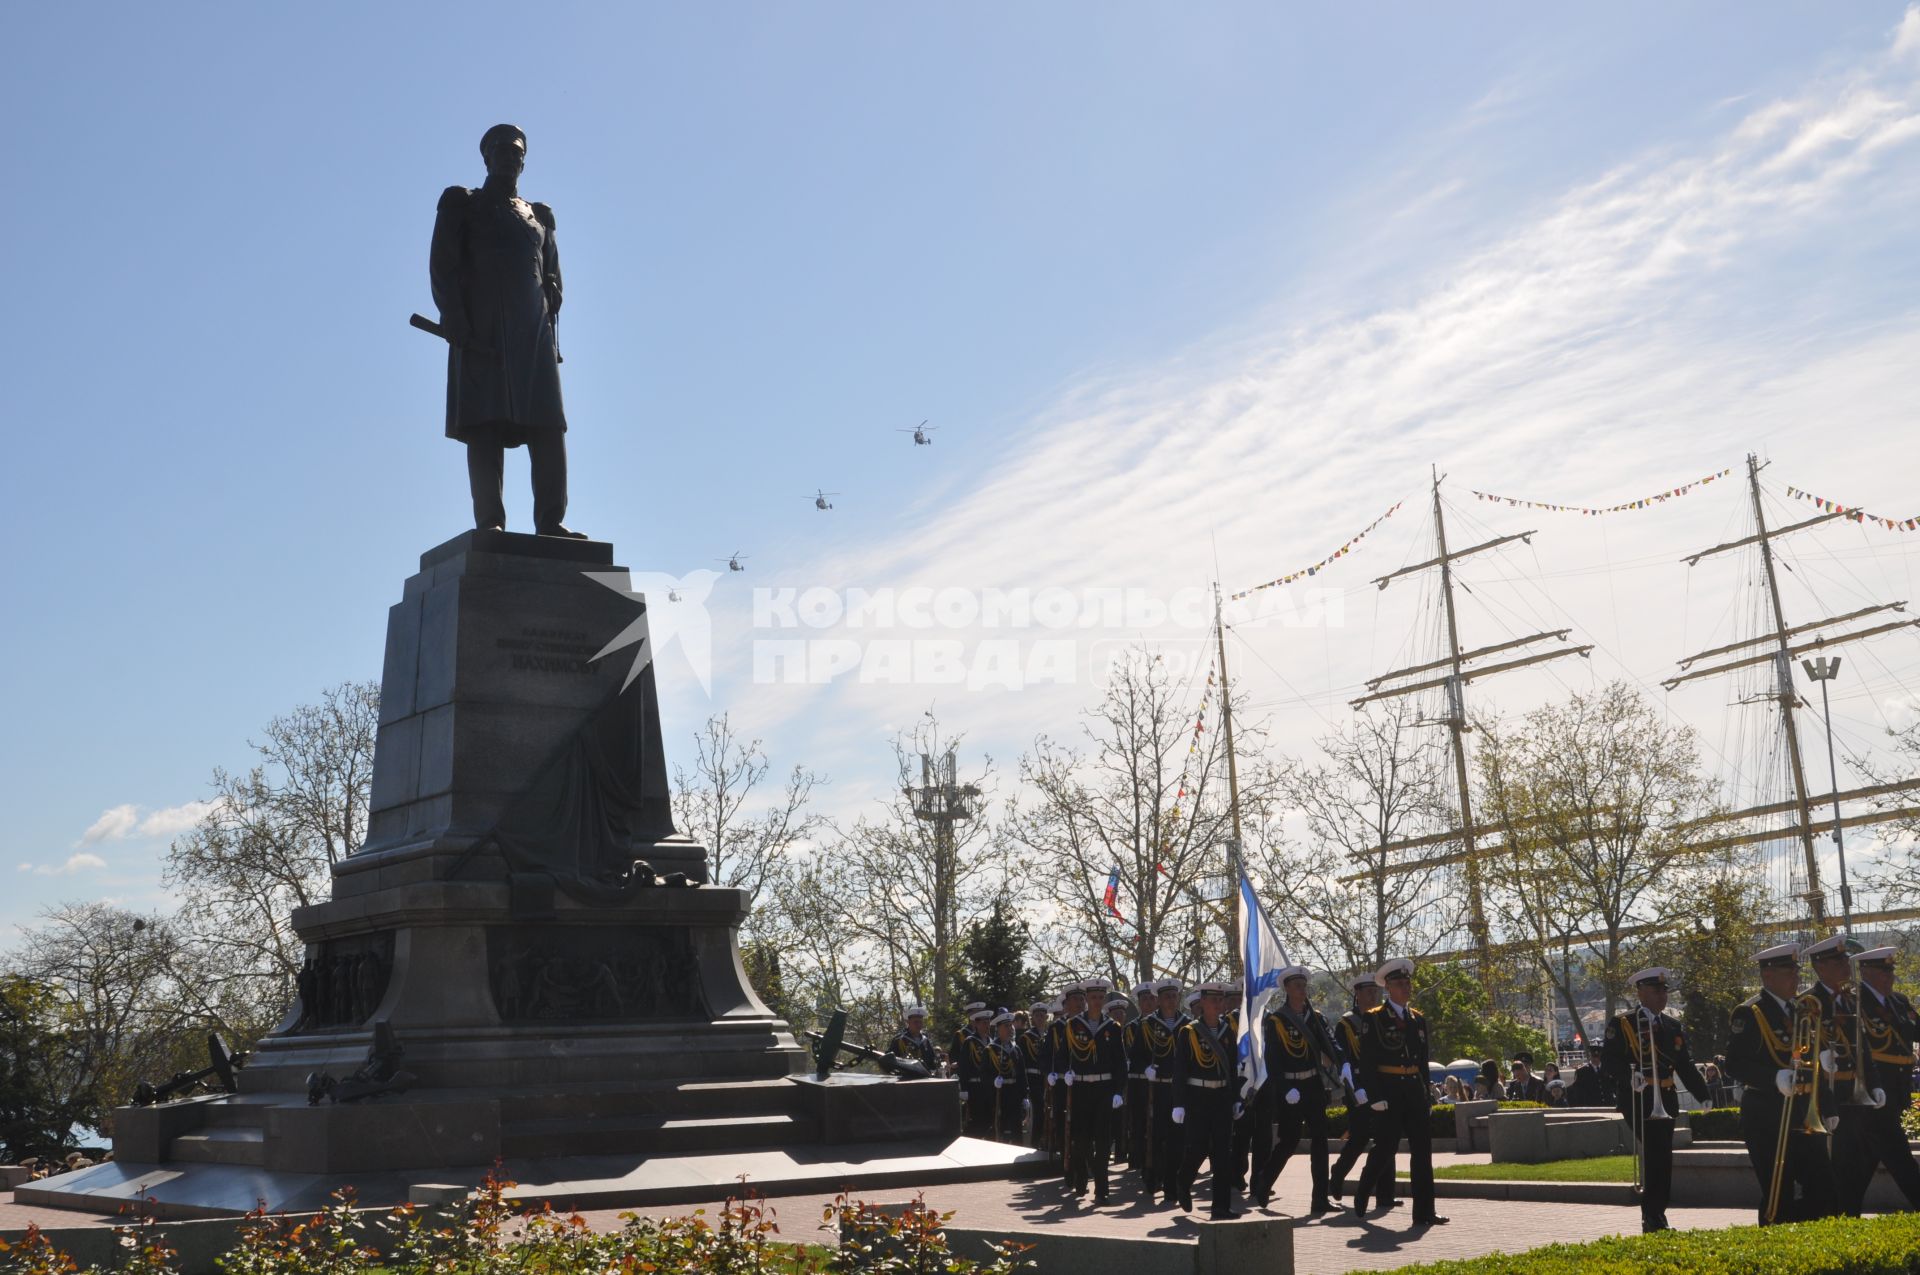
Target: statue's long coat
point(496, 279)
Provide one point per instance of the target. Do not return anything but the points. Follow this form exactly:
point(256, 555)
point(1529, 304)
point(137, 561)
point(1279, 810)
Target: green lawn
point(1601, 1168)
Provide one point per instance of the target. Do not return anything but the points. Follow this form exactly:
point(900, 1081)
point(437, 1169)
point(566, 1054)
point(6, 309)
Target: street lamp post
point(1823, 670)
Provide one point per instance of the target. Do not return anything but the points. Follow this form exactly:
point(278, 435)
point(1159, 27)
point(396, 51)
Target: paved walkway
point(1322, 1246)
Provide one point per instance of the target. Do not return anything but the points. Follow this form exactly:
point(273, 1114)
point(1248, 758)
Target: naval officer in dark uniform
point(1645, 1054)
point(496, 279)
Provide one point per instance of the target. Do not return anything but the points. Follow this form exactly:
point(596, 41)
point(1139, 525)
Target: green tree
point(36, 1117)
point(1461, 1020)
point(993, 961)
point(1712, 956)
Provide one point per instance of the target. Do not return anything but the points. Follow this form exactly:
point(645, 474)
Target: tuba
point(1806, 1072)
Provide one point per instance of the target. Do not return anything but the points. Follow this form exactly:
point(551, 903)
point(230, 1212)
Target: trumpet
point(1806, 1072)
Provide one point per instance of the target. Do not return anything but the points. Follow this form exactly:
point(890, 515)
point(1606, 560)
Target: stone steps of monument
point(222, 1146)
point(240, 1112)
point(651, 1135)
point(683, 1099)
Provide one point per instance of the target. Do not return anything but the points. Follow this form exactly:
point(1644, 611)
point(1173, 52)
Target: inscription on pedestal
point(344, 981)
point(571, 973)
point(550, 650)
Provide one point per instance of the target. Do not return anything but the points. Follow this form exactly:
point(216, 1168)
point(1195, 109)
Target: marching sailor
point(1299, 1050)
point(1133, 1039)
point(913, 1041)
point(1206, 1085)
point(1891, 1028)
point(1073, 1003)
point(1760, 1056)
point(1393, 1071)
point(1033, 1059)
point(1009, 1080)
point(1366, 994)
point(1832, 960)
point(1158, 1030)
point(973, 1064)
point(1644, 1053)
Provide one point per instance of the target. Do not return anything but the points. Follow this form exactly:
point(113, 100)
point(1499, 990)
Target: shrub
point(1911, 1118)
point(1720, 1124)
point(488, 1234)
point(1887, 1245)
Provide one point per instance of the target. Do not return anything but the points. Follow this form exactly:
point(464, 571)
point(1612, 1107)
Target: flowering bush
point(489, 1234)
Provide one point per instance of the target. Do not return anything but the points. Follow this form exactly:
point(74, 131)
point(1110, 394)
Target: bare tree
point(124, 1010)
point(1895, 871)
point(926, 864)
point(1117, 803)
point(1591, 796)
point(267, 846)
point(1379, 782)
point(723, 802)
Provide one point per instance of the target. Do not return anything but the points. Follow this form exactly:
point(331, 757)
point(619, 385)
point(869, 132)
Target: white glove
point(1360, 1096)
point(999, 1082)
point(1879, 1099)
point(1639, 1082)
point(1380, 1106)
point(1053, 1078)
point(1239, 1109)
point(1179, 1115)
point(1153, 1072)
point(1293, 1097)
point(1832, 1123)
point(1783, 1081)
point(1118, 1102)
point(1346, 1072)
point(1069, 1079)
point(1827, 1061)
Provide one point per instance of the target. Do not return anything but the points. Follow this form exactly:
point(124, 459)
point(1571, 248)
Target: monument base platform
point(186, 1190)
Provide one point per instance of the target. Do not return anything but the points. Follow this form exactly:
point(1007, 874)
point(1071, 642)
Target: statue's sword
point(427, 325)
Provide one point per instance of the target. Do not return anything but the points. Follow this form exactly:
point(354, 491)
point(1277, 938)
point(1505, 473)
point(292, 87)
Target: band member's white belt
point(1297, 1075)
point(1208, 1084)
point(1079, 1076)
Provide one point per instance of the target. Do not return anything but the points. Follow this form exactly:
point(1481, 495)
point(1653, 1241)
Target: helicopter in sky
point(733, 561)
point(820, 500)
point(920, 434)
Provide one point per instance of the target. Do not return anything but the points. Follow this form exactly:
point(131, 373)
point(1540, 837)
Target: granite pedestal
point(551, 999)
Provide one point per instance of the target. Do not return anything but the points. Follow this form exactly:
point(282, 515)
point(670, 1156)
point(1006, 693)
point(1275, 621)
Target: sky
point(1191, 294)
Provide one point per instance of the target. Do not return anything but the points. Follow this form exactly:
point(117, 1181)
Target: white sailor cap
point(1101, 985)
point(1781, 954)
point(1398, 967)
point(1835, 947)
point(1146, 989)
point(1882, 957)
point(1363, 979)
point(1073, 989)
point(1193, 998)
point(977, 1014)
point(1214, 989)
point(916, 1011)
point(1116, 1005)
point(1004, 1016)
point(973, 1005)
point(1040, 1007)
point(1655, 974)
point(1168, 985)
point(1292, 972)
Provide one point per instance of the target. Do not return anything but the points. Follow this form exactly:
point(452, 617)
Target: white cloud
point(1638, 330)
point(118, 823)
point(113, 824)
point(75, 864)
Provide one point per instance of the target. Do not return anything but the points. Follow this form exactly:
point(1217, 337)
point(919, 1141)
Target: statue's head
point(504, 148)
